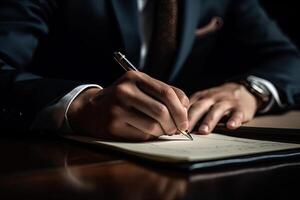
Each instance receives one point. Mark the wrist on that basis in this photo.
(260, 93)
(75, 112)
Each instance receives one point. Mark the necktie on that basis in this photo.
(163, 42)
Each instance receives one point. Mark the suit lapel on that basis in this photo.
(189, 16)
(126, 13)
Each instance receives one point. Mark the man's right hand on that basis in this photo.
(136, 107)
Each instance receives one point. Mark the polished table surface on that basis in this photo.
(57, 169)
(39, 167)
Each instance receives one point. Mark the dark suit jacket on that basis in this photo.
(48, 47)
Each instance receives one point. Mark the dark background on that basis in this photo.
(287, 15)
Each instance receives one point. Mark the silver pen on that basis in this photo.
(127, 66)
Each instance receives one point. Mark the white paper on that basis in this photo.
(203, 148)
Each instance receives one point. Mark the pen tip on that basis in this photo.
(187, 134)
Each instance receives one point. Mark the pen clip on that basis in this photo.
(122, 60)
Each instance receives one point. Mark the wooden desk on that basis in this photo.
(52, 168)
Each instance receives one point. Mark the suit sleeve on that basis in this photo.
(23, 23)
(274, 57)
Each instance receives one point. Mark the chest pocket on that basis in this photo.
(206, 36)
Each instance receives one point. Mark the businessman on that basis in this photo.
(201, 61)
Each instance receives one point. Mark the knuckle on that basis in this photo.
(167, 92)
(185, 101)
(178, 91)
(198, 96)
(229, 85)
(195, 96)
(122, 90)
(129, 75)
(160, 111)
(221, 106)
(210, 95)
(199, 104)
(211, 92)
(236, 92)
(204, 103)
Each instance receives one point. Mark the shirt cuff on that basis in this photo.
(274, 99)
(54, 117)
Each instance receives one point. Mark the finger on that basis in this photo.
(197, 96)
(235, 120)
(197, 111)
(143, 122)
(214, 93)
(213, 116)
(168, 97)
(153, 108)
(182, 97)
(118, 128)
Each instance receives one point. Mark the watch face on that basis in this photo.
(259, 88)
(260, 91)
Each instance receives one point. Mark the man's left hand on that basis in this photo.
(211, 105)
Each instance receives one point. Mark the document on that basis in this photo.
(179, 149)
(218, 149)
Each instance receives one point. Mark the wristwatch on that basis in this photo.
(259, 91)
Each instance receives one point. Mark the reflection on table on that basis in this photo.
(52, 168)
